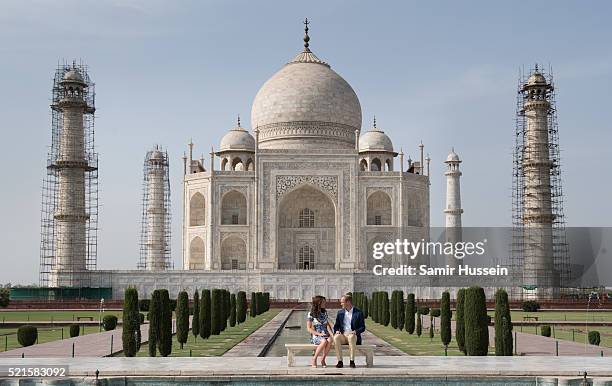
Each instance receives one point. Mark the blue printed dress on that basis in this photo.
(319, 325)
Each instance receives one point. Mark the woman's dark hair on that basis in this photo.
(316, 309)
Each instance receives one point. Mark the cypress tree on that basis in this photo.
(205, 314)
(225, 299)
(400, 310)
(182, 318)
(460, 320)
(371, 306)
(195, 322)
(232, 318)
(215, 319)
(445, 319)
(409, 315)
(419, 325)
(131, 323)
(503, 324)
(394, 316)
(260, 303)
(267, 300)
(253, 305)
(377, 312)
(365, 307)
(241, 307)
(431, 326)
(165, 325)
(385, 308)
(154, 322)
(476, 322)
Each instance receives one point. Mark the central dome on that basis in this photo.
(306, 105)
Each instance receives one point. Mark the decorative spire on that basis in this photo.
(374, 120)
(306, 37)
(536, 67)
(238, 120)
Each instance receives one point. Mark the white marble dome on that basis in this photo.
(536, 79)
(453, 157)
(237, 139)
(306, 103)
(375, 140)
(73, 75)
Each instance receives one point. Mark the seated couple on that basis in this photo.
(349, 326)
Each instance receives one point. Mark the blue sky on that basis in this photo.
(443, 71)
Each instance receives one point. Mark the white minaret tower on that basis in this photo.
(155, 238)
(71, 214)
(538, 214)
(452, 210)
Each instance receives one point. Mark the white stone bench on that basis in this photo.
(292, 348)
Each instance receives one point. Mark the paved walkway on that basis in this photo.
(274, 368)
(257, 343)
(90, 345)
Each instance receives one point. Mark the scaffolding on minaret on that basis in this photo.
(539, 249)
(155, 235)
(69, 215)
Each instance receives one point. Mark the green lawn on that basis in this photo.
(216, 345)
(412, 344)
(55, 315)
(573, 333)
(8, 336)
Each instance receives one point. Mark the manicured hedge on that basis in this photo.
(109, 322)
(476, 322)
(216, 314)
(503, 325)
(74, 330)
(253, 305)
(205, 318)
(195, 322)
(155, 314)
(410, 314)
(232, 318)
(27, 335)
(594, 338)
(460, 320)
(132, 319)
(165, 330)
(531, 306)
(545, 330)
(445, 318)
(182, 318)
(241, 307)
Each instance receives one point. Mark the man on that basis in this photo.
(348, 328)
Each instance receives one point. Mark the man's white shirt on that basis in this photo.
(348, 318)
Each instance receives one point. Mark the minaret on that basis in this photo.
(536, 168)
(452, 210)
(155, 238)
(70, 190)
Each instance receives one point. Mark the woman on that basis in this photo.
(320, 329)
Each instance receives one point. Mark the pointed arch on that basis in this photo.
(234, 208)
(363, 165)
(379, 209)
(197, 210)
(375, 165)
(233, 253)
(196, 253)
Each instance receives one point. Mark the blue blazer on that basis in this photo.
(357, 323)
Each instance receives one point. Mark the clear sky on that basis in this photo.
(167, 71)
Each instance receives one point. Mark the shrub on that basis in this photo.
(431, 326)
(545, 330)
(144, 305)
(205, 314)
(241, 307)
(503, 325)
(409, 314)
(132, 319)
(27, 335)
(260, 303)
(460, 320)
(216, 317)
(393, 305)
(365, 309)
(182, 318)
(424, 310)
(195, 322)
(232, 318)
(385, 308)
(594, 337)
(74, 330)
(154, 322)
(419, 325)
(109, 322)
(476, 326)
(5, 297)
(531, 306)
(445, 318)
(435, 312)
(371, 306)
(400, 310)
(253, 305)
(267, 301)
(165, 325)
(224, 308)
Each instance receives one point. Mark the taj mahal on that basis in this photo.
(291, 207)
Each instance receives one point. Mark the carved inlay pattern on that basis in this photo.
(327, 183)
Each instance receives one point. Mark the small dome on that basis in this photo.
(238, 139)
(375, 140)
(536, 79)
(73, 75)
(453, 157)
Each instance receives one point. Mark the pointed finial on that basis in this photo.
(306, 37)
(238, 120)
(536, 67)
(374, 121)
